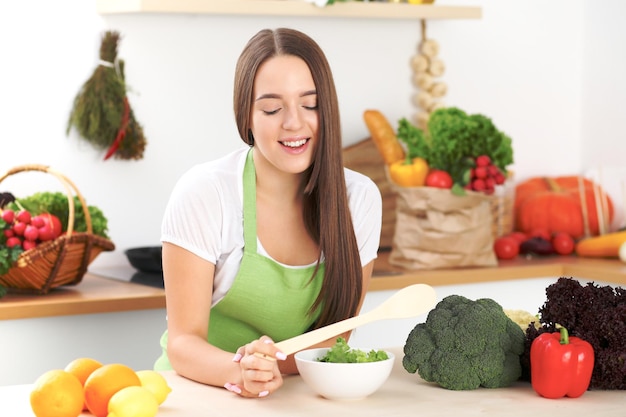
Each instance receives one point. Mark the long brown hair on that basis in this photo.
(326, 212)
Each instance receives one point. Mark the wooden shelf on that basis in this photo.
(372, 10)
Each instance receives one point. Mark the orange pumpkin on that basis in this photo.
(555, 205)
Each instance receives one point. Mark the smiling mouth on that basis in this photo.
(294, 143)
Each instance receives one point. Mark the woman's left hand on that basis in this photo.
(260, 375)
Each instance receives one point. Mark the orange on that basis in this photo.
(57, 393)
(104, 382)
(82, 368)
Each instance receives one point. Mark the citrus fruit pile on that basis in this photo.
(103, 390)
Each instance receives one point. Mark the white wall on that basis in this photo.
(547, 73)
(604, 87)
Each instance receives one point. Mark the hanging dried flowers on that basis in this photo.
(101, 113)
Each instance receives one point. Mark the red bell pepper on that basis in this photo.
(560, 365)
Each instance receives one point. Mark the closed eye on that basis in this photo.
(272, 112)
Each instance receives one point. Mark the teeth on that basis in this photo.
(295, 144)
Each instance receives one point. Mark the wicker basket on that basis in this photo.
(62, 261)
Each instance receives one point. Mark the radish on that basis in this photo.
(37, 221)
(13, 241)
(8, 216)
(28, 244)
(31, 233)
(19, 228)
(23, 216)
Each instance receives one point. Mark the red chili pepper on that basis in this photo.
(121, 132)
(560, 366)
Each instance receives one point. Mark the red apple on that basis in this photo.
(52, 227)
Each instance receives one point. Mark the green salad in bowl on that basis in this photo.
(344, 373)
(340, 352)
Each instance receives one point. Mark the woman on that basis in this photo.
(271, 240)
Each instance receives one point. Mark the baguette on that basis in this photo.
(384, 136)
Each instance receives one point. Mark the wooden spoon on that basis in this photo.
(408, 302)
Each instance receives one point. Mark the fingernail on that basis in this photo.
(263, 393)
(237, 357)
(267, 342)
(232, 388)
(281, 356)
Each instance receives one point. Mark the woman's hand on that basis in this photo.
(260, 375)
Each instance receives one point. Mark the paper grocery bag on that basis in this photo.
(437, 229)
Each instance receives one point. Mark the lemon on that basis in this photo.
(155, 383)
(133, 401)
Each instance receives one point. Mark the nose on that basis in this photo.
(292, 118)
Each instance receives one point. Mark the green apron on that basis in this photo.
(265, 298)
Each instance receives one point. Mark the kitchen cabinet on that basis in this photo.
(38, 344)
(371, 10)
(33, 346)
(116, 321)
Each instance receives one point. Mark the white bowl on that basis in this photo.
(342, 381)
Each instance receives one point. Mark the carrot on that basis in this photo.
(384, 136)
(606, 245)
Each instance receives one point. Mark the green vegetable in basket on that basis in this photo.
(454, 139)
(56, 203)
(340, 352)
(8, 255)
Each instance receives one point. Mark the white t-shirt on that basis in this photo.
(205, 216)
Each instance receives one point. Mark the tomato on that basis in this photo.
(563, 243)
(518, 236)
(439, 179)
(506, 247)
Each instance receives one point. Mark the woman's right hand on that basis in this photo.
(260, 375)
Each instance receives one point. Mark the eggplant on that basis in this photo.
(536, 246)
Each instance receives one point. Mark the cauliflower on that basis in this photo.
(466, 344)
(523, 318)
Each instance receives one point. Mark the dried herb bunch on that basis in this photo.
(101, 113)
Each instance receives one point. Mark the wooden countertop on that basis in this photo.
(612, 271)
(403, 394)
(97, 294)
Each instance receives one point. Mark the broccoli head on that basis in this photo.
(465, 344)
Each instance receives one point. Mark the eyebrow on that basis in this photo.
(276, 96)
